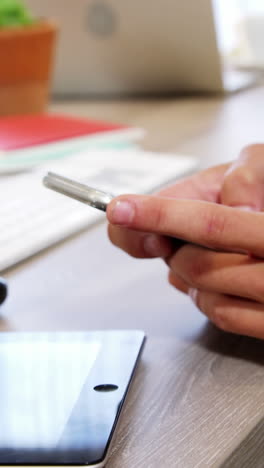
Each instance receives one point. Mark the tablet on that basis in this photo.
(62, 394)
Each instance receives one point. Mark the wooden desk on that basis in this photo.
(198, 393)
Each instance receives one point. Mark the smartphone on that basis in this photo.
(79, 191)
(62, 395)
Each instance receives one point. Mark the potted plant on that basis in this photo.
(26, 53)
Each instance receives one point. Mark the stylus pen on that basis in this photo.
(79, 191)
(3, 290)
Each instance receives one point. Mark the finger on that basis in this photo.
(204, 185)
(231, 314)
(140, 245)
(178, 283)
(207, 224)
(225, 273)
(243, 184)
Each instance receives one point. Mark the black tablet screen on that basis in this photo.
(58, 400)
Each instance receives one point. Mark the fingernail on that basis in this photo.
(154, 247)
(122, 213)
(193, 295)
(246, 208)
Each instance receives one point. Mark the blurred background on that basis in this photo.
(240, 29)
(114, 47)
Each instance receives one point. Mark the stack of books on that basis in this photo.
(30, 140)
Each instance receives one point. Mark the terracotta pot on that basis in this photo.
(26, 55)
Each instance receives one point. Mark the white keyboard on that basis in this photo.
(33, 218)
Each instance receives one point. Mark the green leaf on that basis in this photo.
(14, 13)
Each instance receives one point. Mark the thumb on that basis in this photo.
(243, 184)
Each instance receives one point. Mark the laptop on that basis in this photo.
(123, 47)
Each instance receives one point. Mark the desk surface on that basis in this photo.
(197, 400)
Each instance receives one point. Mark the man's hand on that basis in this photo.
(205, 185)
(228, 288)
(220, 261)
(243, 183)
(239, 184)
(224, 282)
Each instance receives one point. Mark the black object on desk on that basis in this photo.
(94, 369)
(3, 290)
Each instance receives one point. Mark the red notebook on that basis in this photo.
(18, 132)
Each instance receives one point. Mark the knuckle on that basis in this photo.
(214, 227)
(158, 215)
(223, 319)
(243, 176)
(195, 271)
(193, 264)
